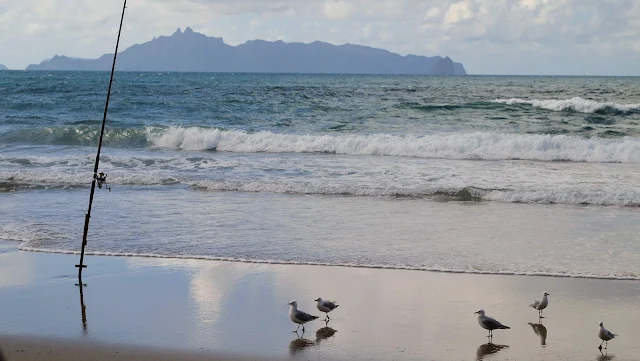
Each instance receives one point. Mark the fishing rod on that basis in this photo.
(101, 178)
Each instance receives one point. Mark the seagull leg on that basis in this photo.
(606, 343)
(296, 331)
(303, 329)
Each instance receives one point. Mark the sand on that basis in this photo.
(145, 308)
(43, 349)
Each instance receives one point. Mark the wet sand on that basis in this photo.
(160, 309)
(43, 349)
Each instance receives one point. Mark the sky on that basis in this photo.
(544, 37)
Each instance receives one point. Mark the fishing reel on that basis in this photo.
(101, 179)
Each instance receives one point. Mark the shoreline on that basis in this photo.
(214, 310)
(321, 264)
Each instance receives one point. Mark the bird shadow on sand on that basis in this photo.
(540, 330)
(301, 343)
(488, 349)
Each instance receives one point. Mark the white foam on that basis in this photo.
(575, 104)
(478, 145)
(28, 233)
(612, 197)
(81, 178)
(193, 138)
(565, 195)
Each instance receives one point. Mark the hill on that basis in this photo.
(190, 51)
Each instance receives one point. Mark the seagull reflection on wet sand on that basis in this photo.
(605, 357)
(488, 349)
(324, 333)
(541, 331)
(301, 343)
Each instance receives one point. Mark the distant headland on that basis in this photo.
(190, 51)
(2, 67)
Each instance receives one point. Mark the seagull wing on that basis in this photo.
(535, 304)
(330, 305)
(304, 317)
(492, 324)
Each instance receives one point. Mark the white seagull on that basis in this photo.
(489, 323)
(298, 316)
(605, 335)
(326, 306)
(541, 304)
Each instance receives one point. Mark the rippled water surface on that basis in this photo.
(532, 175)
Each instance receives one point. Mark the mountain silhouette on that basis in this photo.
(2, 67)
(190, 51)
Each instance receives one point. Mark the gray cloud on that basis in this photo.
(489, 36)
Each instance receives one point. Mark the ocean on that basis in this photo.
(474, 174)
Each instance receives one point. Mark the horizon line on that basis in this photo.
(378, 74)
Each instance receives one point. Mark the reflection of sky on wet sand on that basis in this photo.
(240, 308)
(407, 314)
(15, 269)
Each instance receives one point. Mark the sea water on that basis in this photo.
(480, 174)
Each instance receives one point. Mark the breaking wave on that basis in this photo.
(473, 145)
(575, 104)
(481, 146)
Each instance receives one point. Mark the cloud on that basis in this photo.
(337, 9)
(488, 36)
(458, 12)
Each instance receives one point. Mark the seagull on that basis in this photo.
(326, 306)
(541, 304)
(605, 336)
(298, 316)
(489, 323)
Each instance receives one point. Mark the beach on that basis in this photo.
(413, 201)
(149, 308)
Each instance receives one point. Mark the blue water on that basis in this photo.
(417, 172)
